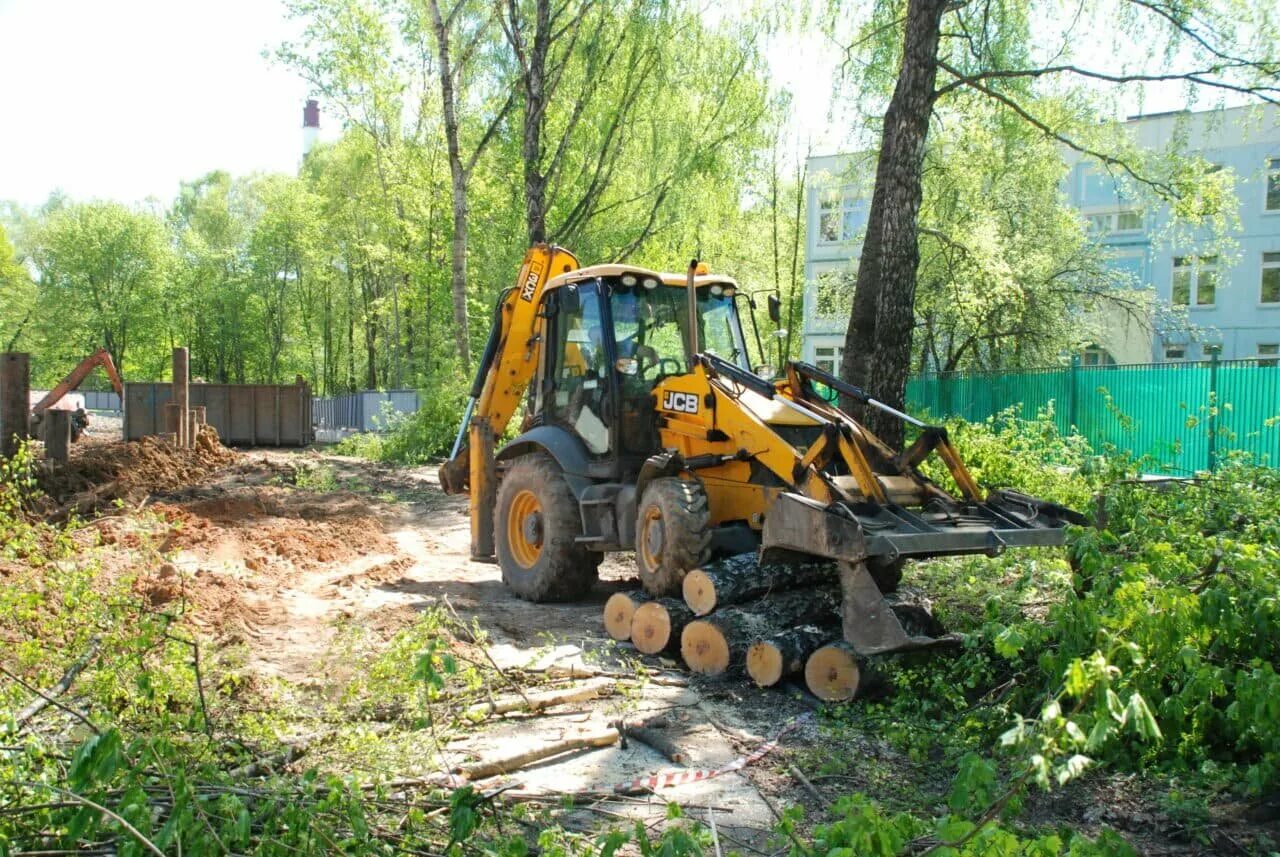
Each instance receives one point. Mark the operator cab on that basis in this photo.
(612, 333)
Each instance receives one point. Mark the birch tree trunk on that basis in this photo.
(458, 177)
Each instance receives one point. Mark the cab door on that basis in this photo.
(578, 380)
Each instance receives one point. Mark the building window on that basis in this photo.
(1273, 184)
(1116, 222)
(1096, 355)
(837, 217)
(1195, 280)
(1270, 278)
(1175, 352)
(828, 359)
(1268, 354)
(833, 294)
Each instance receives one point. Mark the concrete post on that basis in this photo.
(182, 394)
(15, 401)
(56, 428)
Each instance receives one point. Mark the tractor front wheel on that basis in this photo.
(536, 526)
(673, 533)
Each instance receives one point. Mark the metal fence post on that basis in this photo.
(1213, 351)
(1073, 376)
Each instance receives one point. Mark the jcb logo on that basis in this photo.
(531, 282)
(685, 403)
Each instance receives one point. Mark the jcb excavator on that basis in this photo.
(647, 429)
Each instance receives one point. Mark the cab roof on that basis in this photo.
(668, 279)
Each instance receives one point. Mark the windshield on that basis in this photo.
(650, 327)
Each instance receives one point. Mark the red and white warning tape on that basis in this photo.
(683, 776)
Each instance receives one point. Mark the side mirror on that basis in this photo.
(570, 300)
(775, 309)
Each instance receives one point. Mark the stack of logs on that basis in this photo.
(773, 620)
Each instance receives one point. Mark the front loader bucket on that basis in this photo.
(797, 525)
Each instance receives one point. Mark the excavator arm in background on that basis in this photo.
(508, 365)
(76, 376)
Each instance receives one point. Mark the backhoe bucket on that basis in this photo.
(797, 526)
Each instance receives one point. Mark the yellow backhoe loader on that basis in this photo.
(646, 428)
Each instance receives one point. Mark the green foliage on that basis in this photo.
(419, 437)
(1159, 647)
(103, 270)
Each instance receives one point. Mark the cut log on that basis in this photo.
(713, 644)
(740, 578)
(656, 626)
(535, 702)
(773, 658)
(507, 764)
(619, 611)
(836, 673)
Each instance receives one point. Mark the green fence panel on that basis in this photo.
(1163, 411)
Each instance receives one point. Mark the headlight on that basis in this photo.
(628, 280)
(650, 283)
(729, 291)
(717, 290)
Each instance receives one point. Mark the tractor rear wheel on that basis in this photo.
(536, 525)
(673, 533)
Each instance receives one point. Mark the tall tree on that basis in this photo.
(987, 47)
(102, 268)
(459, 34)
(17, 295)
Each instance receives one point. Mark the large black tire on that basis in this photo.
(673, 534)
(537, 552)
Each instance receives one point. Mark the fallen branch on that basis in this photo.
(650, 733)
(49, 697)
(535, 702)
(508, 764)
(270, 764)
(808, 786)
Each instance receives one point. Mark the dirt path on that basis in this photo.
(283, 568)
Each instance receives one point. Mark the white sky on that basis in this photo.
(124, 99)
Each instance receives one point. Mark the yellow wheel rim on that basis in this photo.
(524, 528)
(650, 552)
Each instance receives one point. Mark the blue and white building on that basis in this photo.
(1208, 292)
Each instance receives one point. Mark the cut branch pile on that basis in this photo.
(774, 621)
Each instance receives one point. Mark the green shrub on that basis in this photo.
(419, 437)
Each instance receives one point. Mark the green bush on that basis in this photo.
(419, 437)
(1172, 608)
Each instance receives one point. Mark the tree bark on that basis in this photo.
(877, 352)
(739, 578)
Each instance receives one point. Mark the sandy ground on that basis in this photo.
(281, 569)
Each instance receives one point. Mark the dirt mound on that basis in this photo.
(275, 528)
(102, 472)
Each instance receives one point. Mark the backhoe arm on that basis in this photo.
(509, 362)
(76, 376)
